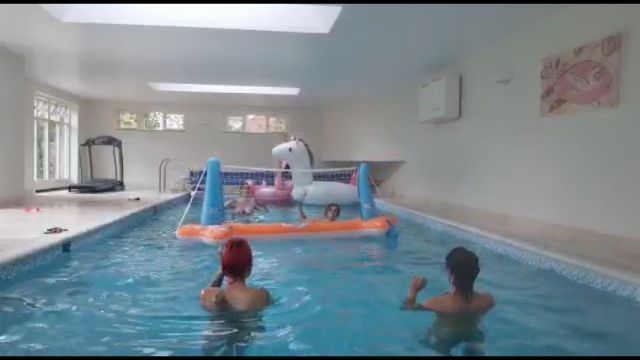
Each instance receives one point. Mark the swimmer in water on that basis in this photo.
(458, 311)
(244, 204)
(236, 262)
(236, 306)
(331, 213)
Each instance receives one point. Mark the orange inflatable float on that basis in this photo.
(280, 231)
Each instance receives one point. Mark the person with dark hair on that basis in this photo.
(458, 311)
(236, 261)
(331, 213)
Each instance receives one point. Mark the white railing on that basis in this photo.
(162, 172)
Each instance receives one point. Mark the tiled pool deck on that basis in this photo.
(84, 215)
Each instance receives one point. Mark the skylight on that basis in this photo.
(298, 18)
(226, 89)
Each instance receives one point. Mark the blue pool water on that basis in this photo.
(137, 293)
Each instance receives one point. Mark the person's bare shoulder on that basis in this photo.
(485, 301)
(212, 297)
(436, 303)
(257, 298)
(266, 296)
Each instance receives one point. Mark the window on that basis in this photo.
(152, 121)
(235, 123)
(256, 123)
(128, 120)
(52, 134)
(277, 124)
(175, 121)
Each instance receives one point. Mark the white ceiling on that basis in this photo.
(372, 48)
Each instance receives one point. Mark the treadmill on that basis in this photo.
(95, 185)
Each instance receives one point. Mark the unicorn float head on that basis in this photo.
(298, 155)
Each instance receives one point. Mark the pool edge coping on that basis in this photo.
(91, 232)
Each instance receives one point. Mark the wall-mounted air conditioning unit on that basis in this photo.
(439, 99)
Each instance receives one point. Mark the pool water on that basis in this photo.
(137, 294)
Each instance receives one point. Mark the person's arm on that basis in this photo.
(410, 304)
(212, 296)
(416, 284)
(427, 305)
(216, 282)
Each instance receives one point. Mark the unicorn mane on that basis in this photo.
(306, 146)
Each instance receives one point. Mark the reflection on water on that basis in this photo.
(445, 334)
(230, 333)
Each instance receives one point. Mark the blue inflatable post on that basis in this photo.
(365, 195)
(392, 236)
(213, 204)
(368, 205)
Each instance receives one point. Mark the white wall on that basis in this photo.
(31, 88)
(12, 84)
(580, 170)
(204, 137)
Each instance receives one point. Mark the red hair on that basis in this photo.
(236, 258)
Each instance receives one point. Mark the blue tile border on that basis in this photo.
(55, 251)
(578, 272)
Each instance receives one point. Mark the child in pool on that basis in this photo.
(331, 213)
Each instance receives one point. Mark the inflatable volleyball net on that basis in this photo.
(235, 176)
(322, 186)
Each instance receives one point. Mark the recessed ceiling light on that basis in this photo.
(300, 18)
(226, 89)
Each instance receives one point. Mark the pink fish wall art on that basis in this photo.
(582, 79)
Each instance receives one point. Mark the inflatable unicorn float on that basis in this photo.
(297, 154)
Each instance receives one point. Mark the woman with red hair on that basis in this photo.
(236, 261)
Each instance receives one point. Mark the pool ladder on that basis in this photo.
(162, 172)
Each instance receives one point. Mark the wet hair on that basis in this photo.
(463, 267)
(236, 258)
(326, 210)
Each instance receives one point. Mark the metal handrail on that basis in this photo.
(162, 172)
